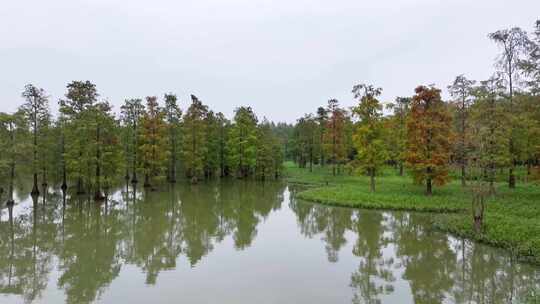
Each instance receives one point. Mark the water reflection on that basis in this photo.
(60, 248)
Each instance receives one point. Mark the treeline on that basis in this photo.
(87, 147)
(487, 126)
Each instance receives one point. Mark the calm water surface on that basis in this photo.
(241, 242)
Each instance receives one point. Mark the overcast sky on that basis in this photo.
(282, 57)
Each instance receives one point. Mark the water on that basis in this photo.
(241, 242)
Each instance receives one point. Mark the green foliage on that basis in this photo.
(194, 143)
(369, 136)
(153, 139)
(242, 144)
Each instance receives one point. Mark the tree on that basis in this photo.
(306, 141)
(488, 131)
(132, 112)
(106, 147)
(36, 110)
(242, 144)
(429, 138)
(368, 137)
(13, 133)
(194, 139)
(80, 97)
(212, 156)
(322, 118)
(514, 43)
(173, 116)
(153, 139)
(397, 139)
(461, 90)
(265, 142)
(531, 65)
(334, 135)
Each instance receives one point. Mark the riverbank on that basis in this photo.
(512, 217)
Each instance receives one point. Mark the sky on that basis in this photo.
(283, 58)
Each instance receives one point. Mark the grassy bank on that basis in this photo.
(512, 218)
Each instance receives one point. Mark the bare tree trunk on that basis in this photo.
(372, 179)
(429, 190)
(10, 200)
(35, 189)
(134, 179)
(98, 195)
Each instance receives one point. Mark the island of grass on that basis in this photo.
(511, 220)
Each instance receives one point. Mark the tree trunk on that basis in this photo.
(511, 178)
(98, 195)
(372, 180)
(429, 190)
(400, 168)
(463, 174)
(10, 200)
(134, 179)
(147, 181)
(478, 212)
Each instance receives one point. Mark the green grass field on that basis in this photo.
(512, 218)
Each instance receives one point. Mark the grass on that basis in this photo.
(511, 221)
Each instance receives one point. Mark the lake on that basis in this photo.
(241, 242)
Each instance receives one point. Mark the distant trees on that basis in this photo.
(369, 136)
(429, 138)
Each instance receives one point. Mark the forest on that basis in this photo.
(88, 148)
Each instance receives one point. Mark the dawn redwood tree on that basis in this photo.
(223, 125)
(369, 135)
(242, 144)
(153, 139)
(306, 140)
(489, 134)
(36, 110)
(173, 116)
(132, 113)
(194, 139)
(264, 167)
(13, 137)
(461, 91)
(321, 118)
(397, 138)
(104, 126)
(212, 156)
(514, 44)
(429, 138)
(334, 135)
(531, 65)
(80, 97)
